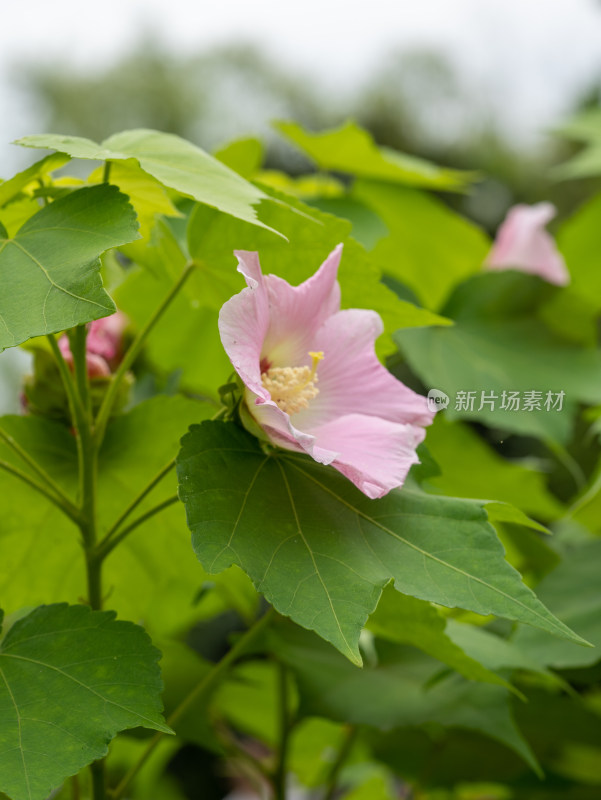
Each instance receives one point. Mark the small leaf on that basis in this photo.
(171, 160)
(70, 680)
(50, 269)
(351, 149)
(321, 551)
(406, 620)
(21, 180)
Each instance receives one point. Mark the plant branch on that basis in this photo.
(133, 352)
(285, 730)
(346, 746)
(66, 507)
(65, 503)
(107, 546)
(136, 502)
(207, 683)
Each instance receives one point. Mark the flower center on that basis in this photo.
(291, 388)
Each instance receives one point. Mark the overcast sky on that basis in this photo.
(525, 57)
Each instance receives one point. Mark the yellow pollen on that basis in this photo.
(291, 388)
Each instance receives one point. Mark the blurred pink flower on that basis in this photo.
(523, 244)
(103, 345)
(313, 381)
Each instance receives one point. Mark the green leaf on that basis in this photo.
(321, 551)
(13, 186)
(572, 590)
(493, 651)
(579, 240)
(489, 358)
(185, 321)
(153, 562)
(244, 156)
(407, 620)
(50, 268)
(584, 127)
(147, 195)
(405, 688)
(172, 161)
(249, 699)
(429, 247)
(351, 149)
(70, 680)
(311, 235)
(484, 473)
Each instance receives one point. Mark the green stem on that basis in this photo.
(67, 377)
(568, 462)
(207, 683)
(107, 546)
(98, 780)
(135, 503)
(285, 730)
(77, 416)
(77, 340)
(65, 503)
(75, 793)
(346, 746)
(106, 173)
(586, 498)
(66, 507)
(133, 352)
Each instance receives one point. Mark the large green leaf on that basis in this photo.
(484, 473)
(147, 195)
(579, 239)
(490, 358)
(351, 149)
(429, 247)
(50, 269)
(171, 160)
(311, 235)
(571, 590)
(404, 688)
(321, 551)
(70, 680)
(154, 562)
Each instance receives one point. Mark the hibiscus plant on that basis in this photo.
(276, 510)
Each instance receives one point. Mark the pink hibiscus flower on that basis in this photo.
(523, 244)
(313, 381)
(103, 345)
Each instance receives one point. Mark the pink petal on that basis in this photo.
(522, 243)
(243, 324)
(281, 429)
(375, 454)
(298, 311)
(353, 381)
(274, 321)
